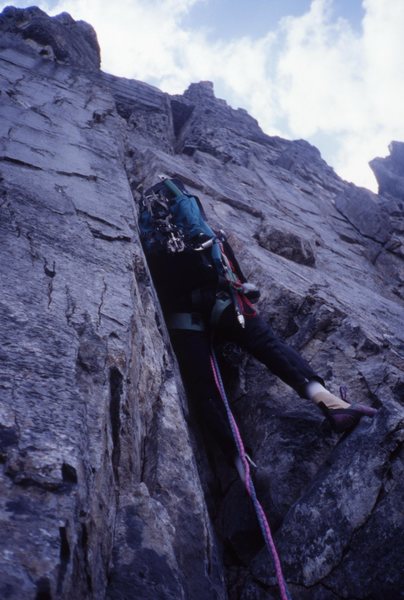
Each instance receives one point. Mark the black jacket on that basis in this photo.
(189, 281)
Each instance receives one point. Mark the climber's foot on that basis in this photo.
(345, 419)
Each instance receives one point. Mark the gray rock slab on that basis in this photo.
(85, 361)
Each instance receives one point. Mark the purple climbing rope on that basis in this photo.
(262, 519)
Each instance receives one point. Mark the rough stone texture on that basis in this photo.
(389, 171)
(101, 497)
(287, 244)
(60, 38)
(92, 423)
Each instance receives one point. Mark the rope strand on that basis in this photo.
(262, 519)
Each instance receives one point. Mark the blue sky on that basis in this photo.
(229, 18)
(328, 71)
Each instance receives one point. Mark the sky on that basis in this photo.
(328, 71)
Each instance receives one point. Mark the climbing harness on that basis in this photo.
(262, 519)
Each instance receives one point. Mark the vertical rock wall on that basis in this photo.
(101, 497)
(94, 446)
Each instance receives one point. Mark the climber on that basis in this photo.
(202, 291)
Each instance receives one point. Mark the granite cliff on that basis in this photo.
(106, 491)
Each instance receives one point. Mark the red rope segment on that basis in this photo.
(262, 519)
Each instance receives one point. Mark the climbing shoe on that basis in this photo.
(345, 419)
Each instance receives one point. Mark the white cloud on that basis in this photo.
(383, 43)
(138, 38)
(335, 81)
(317, 72)
(312, 76)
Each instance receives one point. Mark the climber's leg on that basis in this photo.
(192, 349)
(258, 338)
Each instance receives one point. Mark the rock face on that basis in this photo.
(59, 38)
(389, 171)
(106, 490)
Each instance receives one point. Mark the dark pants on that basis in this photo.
(193, 352)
